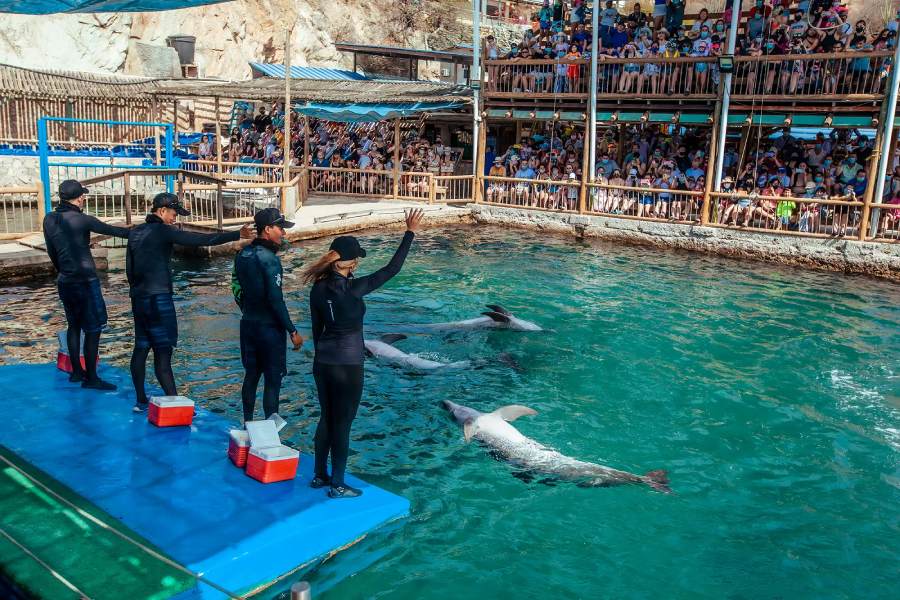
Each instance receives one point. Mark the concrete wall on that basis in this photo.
(833, 254)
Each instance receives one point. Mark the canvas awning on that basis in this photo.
(368, 113)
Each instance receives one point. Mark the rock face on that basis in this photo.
(229, 35)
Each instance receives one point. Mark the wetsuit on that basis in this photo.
(337, 310)
(147, 265)
(265, 324)
(67, 233)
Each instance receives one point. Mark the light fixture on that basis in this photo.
(509, 114)
(584, 116)
(709, 119)
(676, 117)
(748, 120)
(874, 121)
(532, 114)
(615, 117)
(483, 114)
(788, 120)
(556, 116)
(829, 119)
(645, 117)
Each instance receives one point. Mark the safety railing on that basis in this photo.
(351, 182)
(537, 78)
(236, 171)
(885, 222)
(816, 217)
(644, 202)
(21, 211)
(529, 193)
(452, 188)
(838, 76)
(415, 186)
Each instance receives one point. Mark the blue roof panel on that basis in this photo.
(297, 72)
(46, 7)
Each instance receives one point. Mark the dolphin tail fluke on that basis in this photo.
(392, 338)
(496, 316)
(499, 309)
(658, 480)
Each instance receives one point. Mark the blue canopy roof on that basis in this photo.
(46, 7)
(297, 72)
(357, 113)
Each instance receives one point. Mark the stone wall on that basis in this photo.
(833, 254)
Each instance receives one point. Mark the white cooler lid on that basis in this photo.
(171, 401)
(263, 434)
(240, 437)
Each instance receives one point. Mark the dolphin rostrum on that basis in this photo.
(494, 430)
(496, 318)
(385, 350)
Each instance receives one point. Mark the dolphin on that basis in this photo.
(384, 349)
(496, 318)
(493, 429)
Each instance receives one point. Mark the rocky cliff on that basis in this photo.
(231, 34)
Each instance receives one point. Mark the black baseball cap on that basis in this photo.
(167, 200)
(348, 247)
(271, 216)
(71, 189)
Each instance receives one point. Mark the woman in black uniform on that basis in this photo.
(337, 310)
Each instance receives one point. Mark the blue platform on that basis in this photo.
(175, 486)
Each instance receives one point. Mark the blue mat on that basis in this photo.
(175, 486)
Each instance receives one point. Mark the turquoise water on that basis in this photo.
(771, 395)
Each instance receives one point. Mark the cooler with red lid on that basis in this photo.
(63, 362)
(268, 460)
(238, 447)
(170, 411)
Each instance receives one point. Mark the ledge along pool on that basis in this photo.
(770, 395)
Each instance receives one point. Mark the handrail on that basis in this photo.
(824, 56)
(837, 200)
(651, 190)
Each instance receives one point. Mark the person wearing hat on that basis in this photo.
(336, 310)
(256, 282)
(67, 233)
(149, 273)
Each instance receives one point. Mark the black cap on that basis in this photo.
(347, 247)
(271, 216)
(167, 200)
(71, 189)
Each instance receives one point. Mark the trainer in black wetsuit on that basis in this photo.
(147, 264)
(67, 233)
(337, 310)
(265, 325)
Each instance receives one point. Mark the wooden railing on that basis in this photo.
(236, 171)
(529, 193)
(379, 185)
(885, 220)
(21, 211)
(813, 77)
(813, 217)
(644, 202)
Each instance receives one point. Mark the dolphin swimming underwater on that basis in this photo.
(496, 318)
(494, 430)
(384, 349)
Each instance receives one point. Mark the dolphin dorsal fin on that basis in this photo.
(499, 309)
(513, 412)
(469, 429)
(498, 317)
(392, 338)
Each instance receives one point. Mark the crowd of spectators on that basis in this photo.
(559, 32)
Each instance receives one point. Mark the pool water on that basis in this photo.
(771, 395)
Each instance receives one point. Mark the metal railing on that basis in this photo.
(21, 211)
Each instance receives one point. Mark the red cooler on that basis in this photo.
(63, 362)
(238, 447)
(268, 461)
(170, 411)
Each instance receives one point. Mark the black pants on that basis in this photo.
(263, 354)
(340, 389)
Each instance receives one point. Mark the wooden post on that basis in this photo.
(219, 208)
(711, 165)
(396, 158)
(871, 176)
(126, 183)
(432, 188)
(620, 144)
(156, 119)
(585, 172)
(481, 150)
(218, 140)
(286, 169)
(42, 210)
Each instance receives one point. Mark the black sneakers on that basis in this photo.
(344, 491)
(77, 377)
(98, 384)
(140, 408)
(319, 482)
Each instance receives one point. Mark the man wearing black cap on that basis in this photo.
(147, 265)
(67, 233)
(265, 324)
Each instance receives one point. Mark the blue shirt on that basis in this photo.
(618, 39)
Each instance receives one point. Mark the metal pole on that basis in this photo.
(591, 137)
(886, 138)
(286, 168)
(301, 591)
(44, 161)
(726, 96)
(475, 81)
